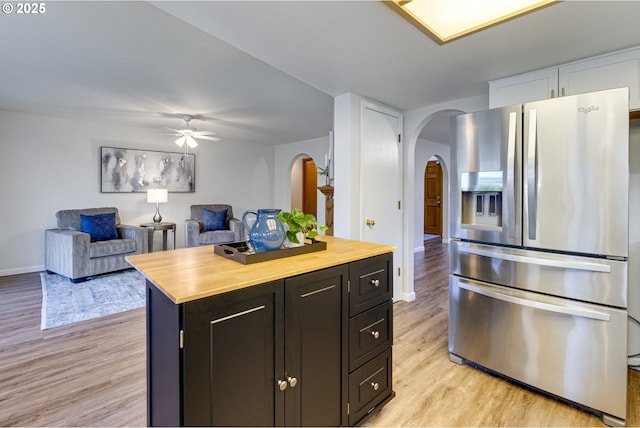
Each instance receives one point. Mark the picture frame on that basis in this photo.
(136, 171)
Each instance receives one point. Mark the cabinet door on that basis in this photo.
(520, 89)
(606, 72)
(316, 348)
(230, 357)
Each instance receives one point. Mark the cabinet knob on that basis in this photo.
(292, 381)
(375, 386)
(375, 282)
(282, 385)
(375, 334)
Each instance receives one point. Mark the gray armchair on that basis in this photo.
(233, 230)
(70, 252)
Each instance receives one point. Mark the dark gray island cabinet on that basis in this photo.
(309, 345)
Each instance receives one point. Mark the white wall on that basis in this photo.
(424, 150)
(49, 164)
(347, 122)
(286, 155)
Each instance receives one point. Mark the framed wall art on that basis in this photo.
(131, 170)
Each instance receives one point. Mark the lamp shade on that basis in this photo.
(157, 196)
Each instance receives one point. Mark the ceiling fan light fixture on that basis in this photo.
(187, 135)
(191, 142)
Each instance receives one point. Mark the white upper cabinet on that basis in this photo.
(614, 70)
(533, 86)
(605, 72)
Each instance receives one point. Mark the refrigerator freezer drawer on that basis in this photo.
(573, 350)
(588, 279)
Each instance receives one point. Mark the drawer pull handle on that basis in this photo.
(375, 334)
(282, 385)
(375, 386)
(374, 282)
(292, 381)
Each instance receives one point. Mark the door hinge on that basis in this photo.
(181, 339)
(348, 409)
(348, 286)
(398, 271)
(399, 205)
(399, 138)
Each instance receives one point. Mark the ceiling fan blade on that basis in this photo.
(175, 130)
(206, 137)
(180, 141)
(204, 133)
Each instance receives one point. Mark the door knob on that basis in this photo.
(292, 381)
(370, 222)
(282, 385)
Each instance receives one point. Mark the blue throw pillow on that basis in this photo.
(214, 219)
(101, 227)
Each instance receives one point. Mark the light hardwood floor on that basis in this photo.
(93, 373)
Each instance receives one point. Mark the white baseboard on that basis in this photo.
(409, 297)
(418, 249)
(24, 269)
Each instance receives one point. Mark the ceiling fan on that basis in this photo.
(188, 135)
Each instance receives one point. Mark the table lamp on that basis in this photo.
(157, 196)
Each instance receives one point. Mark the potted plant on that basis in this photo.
(301, 226)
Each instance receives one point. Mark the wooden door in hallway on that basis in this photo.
(433, 198)
(309, 187)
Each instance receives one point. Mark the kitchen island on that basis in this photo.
(302, 340)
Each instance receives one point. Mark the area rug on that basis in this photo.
(64, 302)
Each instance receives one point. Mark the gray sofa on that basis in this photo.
(195, 227)
(70, 252)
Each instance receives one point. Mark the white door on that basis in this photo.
(381, 183)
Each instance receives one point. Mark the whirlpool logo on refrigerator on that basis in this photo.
(587, 110)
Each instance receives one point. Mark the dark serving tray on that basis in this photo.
(241, 253)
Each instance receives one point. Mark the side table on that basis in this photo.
(164, 227)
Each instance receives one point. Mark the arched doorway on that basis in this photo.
(431, 181)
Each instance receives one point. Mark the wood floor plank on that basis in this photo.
(93, 373)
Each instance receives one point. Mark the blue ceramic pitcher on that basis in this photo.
(265, 229)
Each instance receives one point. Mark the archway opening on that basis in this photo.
(304, 184)
(432, 203)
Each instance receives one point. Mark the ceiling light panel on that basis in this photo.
(446, 20)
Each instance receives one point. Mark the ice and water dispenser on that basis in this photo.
(481, 200)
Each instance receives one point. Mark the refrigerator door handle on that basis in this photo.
(580, 312)
(564, 264)
(511, 156)
(532, 174)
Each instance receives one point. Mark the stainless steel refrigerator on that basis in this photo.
(539, 250)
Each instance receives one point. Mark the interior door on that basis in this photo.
(309, 187)
(433, 198)
(381, 217)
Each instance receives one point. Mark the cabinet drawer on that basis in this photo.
(369, 386)
(371, 283)
(369, 334)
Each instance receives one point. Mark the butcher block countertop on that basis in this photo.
(194, 273)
